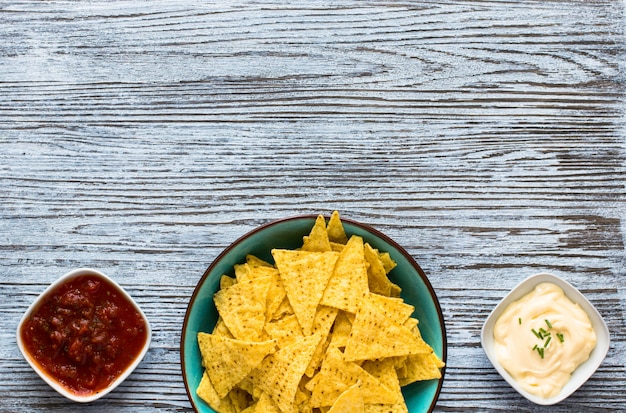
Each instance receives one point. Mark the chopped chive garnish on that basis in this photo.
(548, 323)
(537, 334)
(543, 331)
(539, 350)
(560, 336)
(519, 320)
(535, 348)
(547, 341)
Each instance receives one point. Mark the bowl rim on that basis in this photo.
(585, 370)
(365, 227)
(56, 385)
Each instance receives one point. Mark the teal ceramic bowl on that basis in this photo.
(201, 314)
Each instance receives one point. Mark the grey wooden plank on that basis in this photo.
(487, 137)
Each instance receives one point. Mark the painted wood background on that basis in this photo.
(141, 138)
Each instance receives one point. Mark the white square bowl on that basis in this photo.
(584, 371)
(56, 385)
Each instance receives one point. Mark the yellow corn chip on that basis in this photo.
(242, 306)
(385, 371)
(302, 398)
(284, 309)
(386, 408)
(317, 240)
(276, 292)
(207, 393)
(411, 323)
(334, 246)
(376, 273)
(285, 330)
(261, 271)
(375, 336)
(335, 230)
(226, 281)
(240, 399)
(250, 409)
(394, 308)
(341, 329)
(305, 276)
(421, 367)
(350, 401)
(349, 280)
(336, 375)
(220, 329)
(266, 405)
(395, 290)
(254, 261)
(387, 261)
(228, 361)
(241, 272)
(324, 319)
(280, 373)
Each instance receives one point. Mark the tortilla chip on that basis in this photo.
(394, 308)
(385, 371)
(376, 273)
(375, 336)
(341, 329)
(335, 230)
(241, 272)
(228, 361)
(350, 401)
(388, 262)
(266, 405)
(254, 261)
(285, 330)
(207, 393)
(240, 399)
(386, 408)
(220, 329)
(305, 276)
(324, 319)
(349, 280)
(261, 271)
(395, 290)
(337, 247)
(242, 306)
(226, 281)
(284, 309)
(337, 375)
(302, 398)
(317, 240)
(421, 367)
(280, 373)
(276, 292)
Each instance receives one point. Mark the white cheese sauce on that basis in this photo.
(542, 338)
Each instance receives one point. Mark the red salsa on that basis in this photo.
(84, 334)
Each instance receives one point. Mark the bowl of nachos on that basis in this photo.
(317, 314)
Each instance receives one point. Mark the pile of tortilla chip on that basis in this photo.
(321, 330)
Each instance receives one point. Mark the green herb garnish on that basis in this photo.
(539, 350)
(545, 336)
(519, 320)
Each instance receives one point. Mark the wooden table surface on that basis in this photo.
(142, 138)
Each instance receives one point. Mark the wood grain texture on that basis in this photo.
(486, 137)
